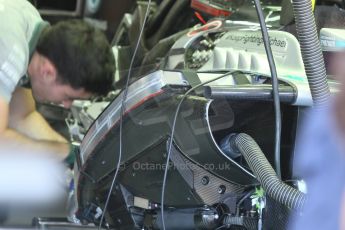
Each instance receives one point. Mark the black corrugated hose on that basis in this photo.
(262, 169)
(311, 51)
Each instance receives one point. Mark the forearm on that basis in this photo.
(23, 126)
(36, 127)
(12, 140)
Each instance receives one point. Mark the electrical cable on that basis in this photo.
(173, 131)
(275, 86)
(242, 200)
(123, 105)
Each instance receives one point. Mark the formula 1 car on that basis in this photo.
(212, 85)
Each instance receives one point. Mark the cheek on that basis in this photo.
(38, 92)
(53, 94)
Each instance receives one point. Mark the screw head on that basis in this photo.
(221, 189)
(205, 180)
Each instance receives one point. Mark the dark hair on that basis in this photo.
(81, 54)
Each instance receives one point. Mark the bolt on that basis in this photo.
(205, 180)
(221, 189)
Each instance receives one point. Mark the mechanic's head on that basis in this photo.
(73, 60)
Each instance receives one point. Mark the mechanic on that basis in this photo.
(320, 151)
(67, 61)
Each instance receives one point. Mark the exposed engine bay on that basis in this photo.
(221, 170)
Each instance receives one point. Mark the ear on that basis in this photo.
(48, 70)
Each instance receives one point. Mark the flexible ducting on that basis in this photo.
(311, 51)
(262, 169)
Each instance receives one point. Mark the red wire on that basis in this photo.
(198, 15)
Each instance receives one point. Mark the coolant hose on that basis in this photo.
(262, 169)
(311, 51)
